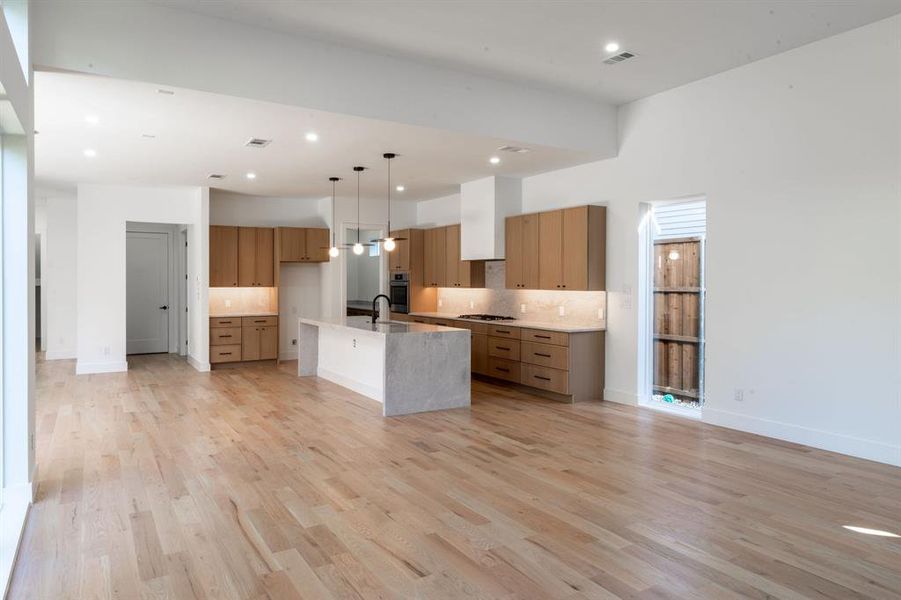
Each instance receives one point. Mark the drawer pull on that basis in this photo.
(540, 354)
(544, 337)
(260, 321)
(226, 322)
(542, 378)
(225, 336)
(225, 353)
(502, 348)
(502, 330)
(502, 369)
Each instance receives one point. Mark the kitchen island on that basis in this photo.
(408, 367)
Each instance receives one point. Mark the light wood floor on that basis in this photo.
(252, 483)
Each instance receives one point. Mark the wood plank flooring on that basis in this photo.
(253, 483)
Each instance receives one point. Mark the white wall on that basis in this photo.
(102, 213)
(798, 156)
(438, 212)
(58, 275)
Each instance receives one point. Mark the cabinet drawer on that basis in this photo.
(443, 322)
(225, 321)
(503, 348)
(504, 331)
(503, 368)
(545, 355)
(477, 328)
(221, 336)
(259, 321)
(557, 338)
(545, 378)
(223, 354)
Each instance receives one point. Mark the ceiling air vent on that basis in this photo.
(619, 58)
(215, 176)
(514, 149)
(257, 143)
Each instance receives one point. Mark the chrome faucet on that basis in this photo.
(375, 310)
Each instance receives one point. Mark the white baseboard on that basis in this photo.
(825, 440)
(290, 355)
(621, 397)
(13, 513)
(86, 368)
(59, 355)
(201, 366)
(360, 388)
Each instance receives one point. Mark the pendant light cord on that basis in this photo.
(388, 233)
(334, 224)
(358, 206)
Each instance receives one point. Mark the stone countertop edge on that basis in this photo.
(517, 323)
(401, 328)
(242, 314)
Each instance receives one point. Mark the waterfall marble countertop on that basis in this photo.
(364, 325)
(525, 323)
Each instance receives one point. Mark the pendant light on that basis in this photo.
(333, 251)
(358, 247)
(388, 242)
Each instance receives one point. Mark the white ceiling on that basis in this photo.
(198, 133)
(560, 44)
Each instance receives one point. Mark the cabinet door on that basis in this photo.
(531, 252)
(292, 244)
(440, 250)
(479, 354)
(247, 256)
(452, 256)
(428, 262)
(223, 256)
(513, 253)
(250, 343)
(317, 245)
(550, 250)
(575, 248)
(268, 343)
(265, 256)
(399, 258)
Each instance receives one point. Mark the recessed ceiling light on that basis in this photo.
(251, 176)
(494, 160)
(90, 152)
(91, 119)
(611, 47)
(400, 188)
(312, 136)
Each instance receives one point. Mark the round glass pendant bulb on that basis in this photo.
(389, 244)
(333, 251)
(358, 248)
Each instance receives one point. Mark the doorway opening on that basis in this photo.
(156, 288)
(364, 271)
(673, 297)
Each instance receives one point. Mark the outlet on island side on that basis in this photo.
(293, 342)
(739, 395)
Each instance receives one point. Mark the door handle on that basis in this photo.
(164, 307)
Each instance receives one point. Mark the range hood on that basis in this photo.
(484, 206)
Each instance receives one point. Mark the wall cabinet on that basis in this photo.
(572, 248)
(522, 252)
(303, 244)
(399, 258)
(443, 266)
(256, 257)
(223, 256)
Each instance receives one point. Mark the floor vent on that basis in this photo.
(619, 58)
(257, 143)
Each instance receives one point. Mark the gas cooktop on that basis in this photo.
(481, 317)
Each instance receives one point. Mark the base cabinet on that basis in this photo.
(241, 339)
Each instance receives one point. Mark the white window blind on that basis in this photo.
(680, 219)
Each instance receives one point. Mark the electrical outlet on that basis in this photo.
(561, 310)
(472, 304)
(601, 314)
(228, 304)
(739, 395)
(522, 308)
(293, 342)
(440, 302)
(106, 350)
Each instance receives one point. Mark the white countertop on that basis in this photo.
(381, 328)
(563, 327)
(243, 314)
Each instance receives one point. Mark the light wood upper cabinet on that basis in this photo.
(522, 252)
(256, 256)
(399, 258)
(223, 256)
(303, 244)
(435, 247)
(452, 255)
(557, 250)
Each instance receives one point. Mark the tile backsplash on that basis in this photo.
(236, 301)
(579, 308)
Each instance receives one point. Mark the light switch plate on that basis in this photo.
(522, 308)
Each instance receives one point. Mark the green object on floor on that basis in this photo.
(669, 398)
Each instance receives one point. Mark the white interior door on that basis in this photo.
(147, 295)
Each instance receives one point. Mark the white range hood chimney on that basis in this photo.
(484, 205)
